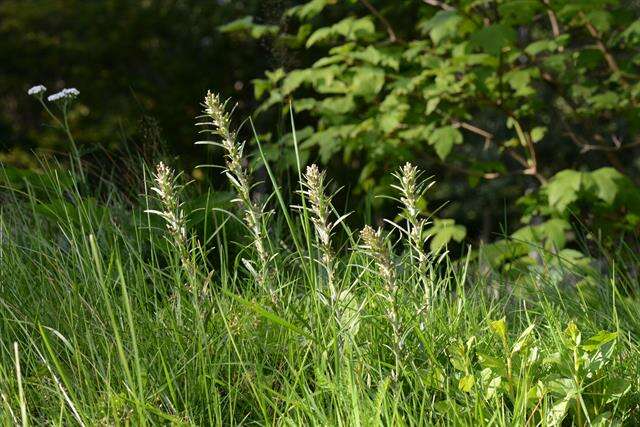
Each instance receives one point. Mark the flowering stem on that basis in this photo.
(64, 125)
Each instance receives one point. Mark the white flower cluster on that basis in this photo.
(36, 90)
(64, 94)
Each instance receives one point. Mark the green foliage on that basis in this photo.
(103, 323)
(128, 308)
(543, 91)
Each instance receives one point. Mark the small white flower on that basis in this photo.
(72, 92)
(56, 96)
(63, 94)
(36, 90)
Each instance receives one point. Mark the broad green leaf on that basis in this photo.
(490, 383)
(563, 188)
(494, 38)
(443, 139)
(558, 412)
(572, 333)
(246, 24)
(607, 181)
(442, 25)
(495, 364)
(349, 28)
(310, 9)
(443, 231)
(523, 339)
(293, 80)
(466, 383)
(598, 340)
(520, 11)
(499, 327)
(367, 81)
(538, 133)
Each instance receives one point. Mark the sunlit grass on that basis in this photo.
(114, 315)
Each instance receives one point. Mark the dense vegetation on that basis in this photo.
(432, 217)
(502, 99)
(276, 312)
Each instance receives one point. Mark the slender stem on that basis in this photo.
(64, 125)
(74, 147)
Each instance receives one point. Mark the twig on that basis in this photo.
(608, 56)
(488, 136)
(553, 19)
(392, 34)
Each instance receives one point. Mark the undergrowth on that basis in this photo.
(274, 311)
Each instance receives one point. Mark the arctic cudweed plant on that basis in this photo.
(255, 217)
(168, 190)
(314, 189)
(412, 190)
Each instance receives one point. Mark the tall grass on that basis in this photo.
(118, 315)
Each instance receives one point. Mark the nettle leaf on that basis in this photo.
(392, 120)
(293, 80)
(632, 33)
(393, 110)
(367, 81)
(494, 38)
(350, 28)
(246, 24)
(309, 9)
(520, 11)
(538, 133)
(600, 19)
(605, 101)
(336, 105)
(375, 56)
(443, 231)
(441, 26)
(552, 233)
(608, 181)
(328, 80)
(520, 81)
(562, 188)
(540, 46)
(443, 139)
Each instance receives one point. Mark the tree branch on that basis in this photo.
(608, 56)
(393, 38)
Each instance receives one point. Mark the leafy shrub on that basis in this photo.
(512, 95)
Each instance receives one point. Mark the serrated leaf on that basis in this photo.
(494, 38)
(367, 81)
(607, 181)
(246, 24)
(443, 139)
(563, 188)
(443, 231)
(443, 25)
